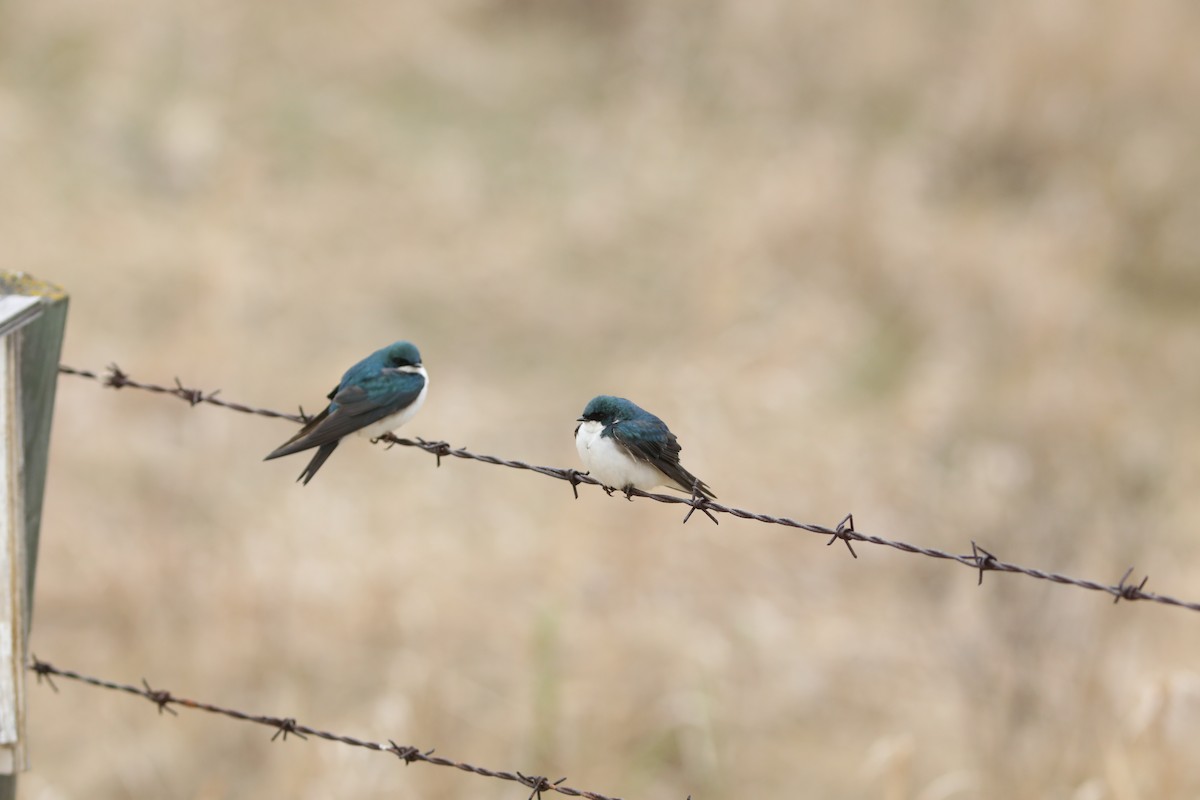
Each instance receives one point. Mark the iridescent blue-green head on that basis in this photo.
(607, 409)
(397, 357)
(400, 354)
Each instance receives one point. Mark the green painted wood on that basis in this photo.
(39, 338)
(41, 346)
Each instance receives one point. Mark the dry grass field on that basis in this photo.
(934, 263)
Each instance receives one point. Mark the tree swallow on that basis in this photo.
(624, 446)
(376, 395)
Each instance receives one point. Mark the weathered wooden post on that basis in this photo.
(32, 317)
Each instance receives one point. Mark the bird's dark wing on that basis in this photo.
(287, 448)
(651, 441)
(355, 407)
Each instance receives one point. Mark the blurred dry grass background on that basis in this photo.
(934, 263)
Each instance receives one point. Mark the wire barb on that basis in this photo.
(699, 503)
(287, 726)
(574, 476)
(537, 783)
(979, 559)
(192, 396)
(406, 753)
(984, 560)
(1129, 591)
(116, 378)
(162, 699)
(439, 449)
(843, 531)
(43, 671)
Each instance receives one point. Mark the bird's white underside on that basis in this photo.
(608, 462)
(395, 421)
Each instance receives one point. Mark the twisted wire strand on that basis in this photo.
(285, 726)
(978, 559)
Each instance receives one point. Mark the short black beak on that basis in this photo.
(582, 419)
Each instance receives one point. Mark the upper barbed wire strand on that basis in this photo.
(978, 559)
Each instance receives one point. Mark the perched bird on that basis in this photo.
(624, 446)
(376, 395)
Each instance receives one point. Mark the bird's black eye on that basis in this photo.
(593, 417)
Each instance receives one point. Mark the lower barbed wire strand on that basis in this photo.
(285, 725)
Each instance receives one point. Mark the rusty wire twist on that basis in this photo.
(978, 559)
(164, 700)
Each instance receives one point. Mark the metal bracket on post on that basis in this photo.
(32, 318)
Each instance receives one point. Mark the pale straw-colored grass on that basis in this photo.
(936, 264)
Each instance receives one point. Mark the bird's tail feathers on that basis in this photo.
(687, 482)
(300, 441)
(702, 488)
(292, 445)
(323, 453)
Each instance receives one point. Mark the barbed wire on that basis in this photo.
(978, 559)
(116, 379)
(284, 726)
